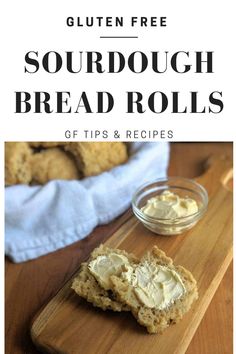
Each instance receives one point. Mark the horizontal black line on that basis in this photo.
(118, 36)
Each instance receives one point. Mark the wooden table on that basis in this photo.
(29, 285)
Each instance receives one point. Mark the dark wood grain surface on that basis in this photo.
(30, 285)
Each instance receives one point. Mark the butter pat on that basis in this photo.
(155, 286)
(169, 205)
(104, 266)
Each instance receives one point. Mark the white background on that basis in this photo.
(191, 26)
(199, 26)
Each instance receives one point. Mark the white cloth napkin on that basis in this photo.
(42, 219)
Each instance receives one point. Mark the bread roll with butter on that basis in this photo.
(90, 288)
(157, 292)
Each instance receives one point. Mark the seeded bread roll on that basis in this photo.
(52, 164)
(17, 163)
(87, 286)
(153, 319)
(94, 158)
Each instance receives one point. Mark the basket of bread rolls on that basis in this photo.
(40, 162)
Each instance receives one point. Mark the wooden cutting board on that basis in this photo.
(69, 325)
